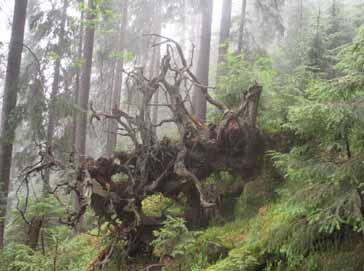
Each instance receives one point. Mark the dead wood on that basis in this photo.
(167, 167)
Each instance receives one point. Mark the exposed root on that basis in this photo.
(155, 166)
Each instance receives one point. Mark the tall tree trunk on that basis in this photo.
(194, 36)
(202, 73)
(156, 59)
(157, 56)
(242, 27)
(225, 25)
(78, 78)
(83, 97)
(153, 72)
(55, 89)
(116, 94)
(185, 30)
(8, 114)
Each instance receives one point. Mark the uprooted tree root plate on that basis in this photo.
(171, 168)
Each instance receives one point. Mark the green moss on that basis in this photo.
(154, 205)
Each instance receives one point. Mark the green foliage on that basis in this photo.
(77, 253)
(253, 237)
(20, 257)
(281, 238)
(329, 160)
(352, 58)
(176, 241)
(313, 90)
(238, 74)
(70, 254)
(53, 56)
(173, 239)
(47, 208)
(235, 80)
(120, 177)
(158, 205)
(255, 195)
(57, 249)
(321, 205)
(319, 212)
(125, 56)
(322, 201)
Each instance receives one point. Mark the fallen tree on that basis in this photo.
(167, 167)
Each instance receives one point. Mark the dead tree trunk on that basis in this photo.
(8, 114)
(198, 99)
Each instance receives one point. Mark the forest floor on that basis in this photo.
(275, 237)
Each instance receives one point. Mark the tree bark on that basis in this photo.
(156, 61)
(8, 114)
(242, 27)
(225, 25)
(78, 78)
(157, 55)
(85, 80)
(116, 94)
(83, 97)
(34, 231)
(52, 119)
(198, 99)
